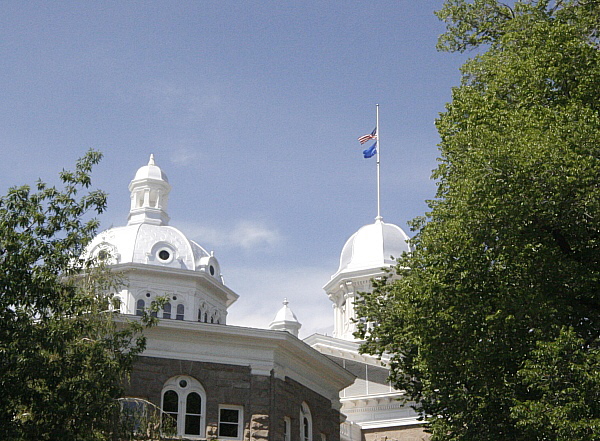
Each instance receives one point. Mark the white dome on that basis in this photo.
(147, 238)
(150, 244)
(372, 247)
(150, 171)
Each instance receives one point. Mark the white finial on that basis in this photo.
(151, 162)
(286, 320)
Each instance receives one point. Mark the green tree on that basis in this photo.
(63, 358)
(504, 278)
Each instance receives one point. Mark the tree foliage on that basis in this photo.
(62, 357)
(502, 288)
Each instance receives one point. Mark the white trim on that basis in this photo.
(287, 428)
(306, 423)
(391, 423)
(264, 351)
(165, 272)
(346, 349)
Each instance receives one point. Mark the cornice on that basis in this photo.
(264, 351)
(346, 349)
(167, 272)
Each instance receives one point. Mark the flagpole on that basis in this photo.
(378, 156)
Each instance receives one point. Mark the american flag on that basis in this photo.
(365, 138)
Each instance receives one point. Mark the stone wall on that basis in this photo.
(405, 433)
(289, 396)
(266, 400)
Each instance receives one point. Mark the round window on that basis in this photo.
(212, 270)
(182, 383)
(164, 254)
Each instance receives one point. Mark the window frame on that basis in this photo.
(305, 415)
(287, 428)
(180, 312)
(183, 392)
(140, 306)
(240, 421)
(167, 308)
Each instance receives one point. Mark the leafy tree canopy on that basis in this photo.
(494, 321)
(62, 357)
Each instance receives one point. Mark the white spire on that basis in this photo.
(286, 320)
(149, 196)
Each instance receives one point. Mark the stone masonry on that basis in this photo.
(266, 400)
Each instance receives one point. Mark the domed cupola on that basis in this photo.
(373, 246)
(159, 259)
(149, 196)
(365, 254)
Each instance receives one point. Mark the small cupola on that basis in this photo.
(286, 320)
(149, 196)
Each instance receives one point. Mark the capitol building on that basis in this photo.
(238, 383)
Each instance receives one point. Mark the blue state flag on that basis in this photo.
(371, 151)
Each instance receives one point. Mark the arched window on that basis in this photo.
(180, 312)
(139, 199)
(184, 400)
(167, 311)
(139, 307)
(305, 423)
(153, 199)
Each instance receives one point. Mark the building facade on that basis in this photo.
(212, 380)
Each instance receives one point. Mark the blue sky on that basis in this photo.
(252, 108)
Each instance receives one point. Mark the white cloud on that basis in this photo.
(245, 234)
(262, 287)
(262, 291)
(184, 157)
(250, 235)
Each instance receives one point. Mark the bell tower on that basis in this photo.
(149, 196)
